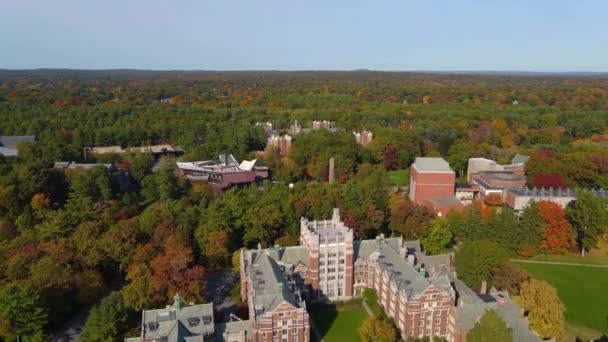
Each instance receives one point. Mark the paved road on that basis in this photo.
(558, 263)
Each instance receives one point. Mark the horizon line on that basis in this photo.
(431, 71)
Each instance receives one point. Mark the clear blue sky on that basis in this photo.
(534, 35)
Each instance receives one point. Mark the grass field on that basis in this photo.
(399, 177)
(583, 290)
(338, 323)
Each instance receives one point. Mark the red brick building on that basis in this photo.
(329, 264)
(431, 178)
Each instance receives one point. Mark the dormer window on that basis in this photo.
(152, 326)
(207, 320)
(193, 321)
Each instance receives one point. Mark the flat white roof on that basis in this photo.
(431, 164)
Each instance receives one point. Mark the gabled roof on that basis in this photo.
(520, 159)
(270, 285)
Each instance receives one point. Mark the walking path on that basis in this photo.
(366, 307)
(558, 263)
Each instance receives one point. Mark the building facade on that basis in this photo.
(283, 143)
(431, 178)
(330, 265)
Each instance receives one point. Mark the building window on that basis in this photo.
(284, 332)
(294, 321)
(294, 330)
(284, 322)
(294, 339)
(428, 331)
(274, 324)
(275, 333)
(280, 314)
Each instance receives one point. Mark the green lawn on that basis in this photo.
(583, 290)
(399, 177)
(338, 323)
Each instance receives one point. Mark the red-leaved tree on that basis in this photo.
(557, 235)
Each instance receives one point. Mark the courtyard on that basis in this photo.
(338, 322)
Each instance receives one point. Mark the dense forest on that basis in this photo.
(71, 240)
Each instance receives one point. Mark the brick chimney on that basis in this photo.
(484, 287)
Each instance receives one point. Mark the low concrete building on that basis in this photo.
(519, 198)
(479, 165)
(9, 143)
(496, 182)
(223, 173)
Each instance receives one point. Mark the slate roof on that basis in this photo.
(271, 285)
(405, 276)
(176, 324)
(431, 164)
(468, 314)
(520, 159)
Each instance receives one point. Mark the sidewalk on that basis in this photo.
(558, 263)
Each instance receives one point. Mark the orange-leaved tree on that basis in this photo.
(557, 235)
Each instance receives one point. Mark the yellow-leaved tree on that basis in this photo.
(543, 308)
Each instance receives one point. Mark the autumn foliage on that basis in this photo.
(557, 235)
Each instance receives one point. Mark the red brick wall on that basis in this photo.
(432, 185)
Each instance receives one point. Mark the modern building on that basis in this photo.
(363, 138)
(494, 183)
(72, 165)
(431, 178)
(519, 198)
(283, 143)
(479, 165)
(156, 150)
(224, 173)
(8, 143)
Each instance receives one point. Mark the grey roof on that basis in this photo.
(439, 264)
(7, 151)
(451, 201)
(12, 141)
(520, 159)
(232, 327)
(468, 314)
(271, 285)
(553, 192)
(8, 143)
(405, 276)
(176, 324)
(431, 164)
(413, 246)
(82, 166)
